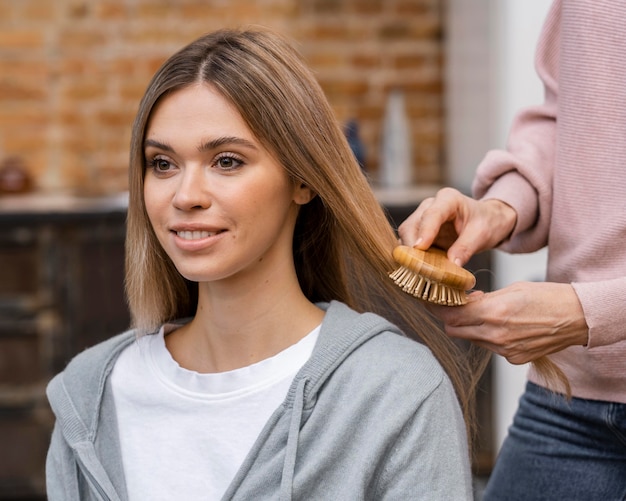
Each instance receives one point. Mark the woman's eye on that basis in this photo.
(228, 162)
(160, 165)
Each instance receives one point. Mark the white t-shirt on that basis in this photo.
(183, 434)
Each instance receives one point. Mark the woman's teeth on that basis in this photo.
(194, 235)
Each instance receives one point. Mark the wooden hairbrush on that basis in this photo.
(431, 276)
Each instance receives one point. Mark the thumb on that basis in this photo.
(460, 252)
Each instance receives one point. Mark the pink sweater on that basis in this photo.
(564, 172)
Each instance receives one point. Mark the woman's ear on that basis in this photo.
(303, 194)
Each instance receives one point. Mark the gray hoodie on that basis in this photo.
(370, 416)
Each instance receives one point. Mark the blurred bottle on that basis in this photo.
(351, 131)
(396, 166)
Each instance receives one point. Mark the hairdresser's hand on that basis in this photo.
(521, 322)
(453, 221)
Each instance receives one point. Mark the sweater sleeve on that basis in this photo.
(522, 175)
(61, 469)
(430, 452)
(603, 307)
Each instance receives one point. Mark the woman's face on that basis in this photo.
(220, 204)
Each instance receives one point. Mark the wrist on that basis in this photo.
(504, 219)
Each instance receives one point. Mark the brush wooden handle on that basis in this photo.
(434, 265)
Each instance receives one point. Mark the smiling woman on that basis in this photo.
(257, 261)
(220, 204)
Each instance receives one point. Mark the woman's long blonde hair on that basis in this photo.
(343, 240)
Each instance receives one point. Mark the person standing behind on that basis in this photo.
(560, 183)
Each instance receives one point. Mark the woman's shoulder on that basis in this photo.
(376, 350)
(100, 353)
(76, 393)
(93, 363)
(392, 355)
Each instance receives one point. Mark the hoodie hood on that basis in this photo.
(76, 394)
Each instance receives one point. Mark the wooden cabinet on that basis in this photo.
(61, 290)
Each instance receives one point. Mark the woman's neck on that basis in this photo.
(236, 328)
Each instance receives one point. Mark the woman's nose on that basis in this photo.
(192, 191)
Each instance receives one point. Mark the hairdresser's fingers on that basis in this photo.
(521, 322)
(410, 230)
(433, 221)
(461, 226)
(480, 225)
(516, 352)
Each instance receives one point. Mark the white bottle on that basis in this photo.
(396, 166)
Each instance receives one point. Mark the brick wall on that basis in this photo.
(72, 73)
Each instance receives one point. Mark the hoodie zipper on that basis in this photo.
(94, 484)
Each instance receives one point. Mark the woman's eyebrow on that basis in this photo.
(205, 145)
(221, 141)
(157, 144)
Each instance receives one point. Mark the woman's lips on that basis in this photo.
(193, 240)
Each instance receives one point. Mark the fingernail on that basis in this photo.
(457, 261)
(418, 242)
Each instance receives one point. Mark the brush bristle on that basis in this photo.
(429, 275)
(423, 288)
